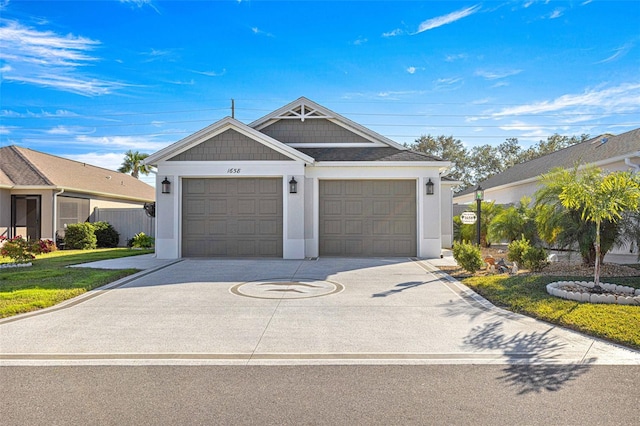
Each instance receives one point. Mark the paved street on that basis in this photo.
(321, 395)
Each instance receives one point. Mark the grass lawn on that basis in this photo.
(527, 294)
(49, 281)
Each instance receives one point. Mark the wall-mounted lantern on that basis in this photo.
(293, 186)
(166, 186)
(430, 186)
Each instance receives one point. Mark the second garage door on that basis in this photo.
(235, 217)
(361, 218)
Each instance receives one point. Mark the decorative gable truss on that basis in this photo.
(318, 127)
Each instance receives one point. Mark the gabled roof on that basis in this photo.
(593, 151)
(366, 154)
(22, 167)
(305, 109)
(217, 128)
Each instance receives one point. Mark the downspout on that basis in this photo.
(55, 213)
(628, 162)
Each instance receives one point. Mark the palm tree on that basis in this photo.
(133, 163)
(601, 197)
(513, 222)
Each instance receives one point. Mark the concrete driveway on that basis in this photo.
(325, 311)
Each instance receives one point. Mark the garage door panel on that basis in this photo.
(381, 208)
(368, 218)
(382, 227)
(246, 227)
(269, 207)
(247, 207)
(269, 227)
(353, 207)
(234, 217)
(217, 207)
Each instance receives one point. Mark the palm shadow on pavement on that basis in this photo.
(533, 364)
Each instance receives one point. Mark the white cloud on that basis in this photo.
(448, 83)
(141, 3)
(359, 41)
(138, 143)
(44, 58)
(5, 130)
(411, 70)
(619, 52)
(455, 57)
(556, 14)
(393, 33)
(439, 21)
(212, 73)
(494, 75)
(258, 31)
(624, 98)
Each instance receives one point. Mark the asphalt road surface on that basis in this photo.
(321, 395)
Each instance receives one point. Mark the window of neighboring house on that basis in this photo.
(71, 210)
(26, 216)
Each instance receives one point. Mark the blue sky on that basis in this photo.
(89, 80)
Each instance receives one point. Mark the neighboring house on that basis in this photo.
(41, 193)
(611, 153)
(300, 182)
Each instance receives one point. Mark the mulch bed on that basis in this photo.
(562, 268)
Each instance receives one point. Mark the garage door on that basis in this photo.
(232, 217)
(361, 218)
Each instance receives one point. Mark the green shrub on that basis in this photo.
(142, 240)
(517, 249)
(18, 249)
(534, 259)
(106, 235)
(468, 256)
(80, 236)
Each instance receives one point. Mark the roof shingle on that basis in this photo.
(366, 154)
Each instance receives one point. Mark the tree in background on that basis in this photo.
(133, 163)
(479, 163)
(450, 149)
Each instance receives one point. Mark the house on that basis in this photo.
(608, 152)
(299, 182)
(41, 193)
(613, 153)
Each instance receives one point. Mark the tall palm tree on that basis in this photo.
(133, 164)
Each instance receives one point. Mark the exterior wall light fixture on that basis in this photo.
(166, 186)
(430, 186)
(293, 186)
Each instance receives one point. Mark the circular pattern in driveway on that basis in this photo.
(286, 289)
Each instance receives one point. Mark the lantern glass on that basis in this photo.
(479, 193)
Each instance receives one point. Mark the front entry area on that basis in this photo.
(363, 218)
(232, 217)
(26, 215)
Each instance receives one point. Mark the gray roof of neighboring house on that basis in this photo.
(587, 152)
(366, 154)
(25, 167)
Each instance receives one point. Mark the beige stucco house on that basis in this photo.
(41, 193)
(299, 182)
(609, 152)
